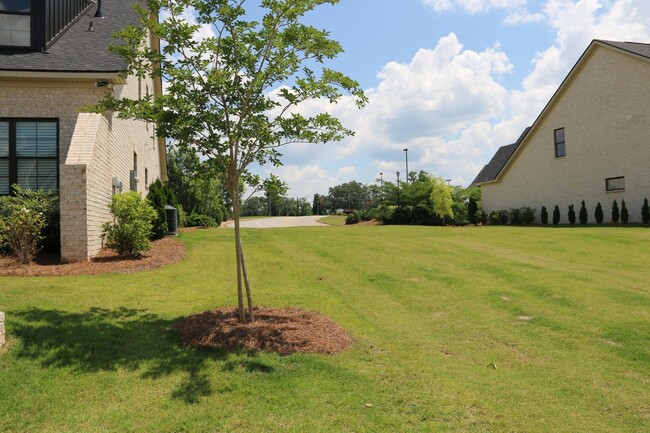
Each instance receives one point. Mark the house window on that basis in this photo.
(560, 147)
(29, 152)
(15, 23)
(615, 183)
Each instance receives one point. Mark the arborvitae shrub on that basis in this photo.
(625, 215)
(472, 208)
(583, 213)
(598, 214)
(556, 215)
(645, 212)
(160, 195)
(544, 215)
(615, 214)
(572, 214)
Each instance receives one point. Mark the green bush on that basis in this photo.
(598, 214)
(615, 214)
(198, 220)
(583, 213)
(472, 210)
(514, 216)
(544, 215)
(43, 202)
(645, 212)
(129, 234)
(556, 215)
(498, 217)
(158, 197)
(625, 215)
(572, 214)
(352, 218)
(21, 230)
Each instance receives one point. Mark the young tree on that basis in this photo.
(583, 213)
(544, 215)
(556, 215)
(442, 199)
(232, 96)
(615, 214)
(645, 212)
(625, 215)
(598, 214)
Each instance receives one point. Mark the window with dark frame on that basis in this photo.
(15, 23)
(29, 154)
(560, 145)
(615, 183)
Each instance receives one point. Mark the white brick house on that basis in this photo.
(591, 142)
(53, 60)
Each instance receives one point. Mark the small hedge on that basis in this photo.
(129, 234)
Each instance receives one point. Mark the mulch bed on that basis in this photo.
(281, 330)
(163, 252)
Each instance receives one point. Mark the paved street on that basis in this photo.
(276, 222)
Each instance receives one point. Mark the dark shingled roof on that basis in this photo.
(498, 161)
(77, 49)
(632, 47)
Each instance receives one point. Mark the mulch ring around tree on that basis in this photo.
(165, 251)
(280, 330)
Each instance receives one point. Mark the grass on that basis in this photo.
(334, 220)
(456, 329)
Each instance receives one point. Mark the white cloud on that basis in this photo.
(524, 17)
(473, 6)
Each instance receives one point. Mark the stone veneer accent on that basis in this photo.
(3, 339)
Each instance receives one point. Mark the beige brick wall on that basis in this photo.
(604, 111)
(92, 150)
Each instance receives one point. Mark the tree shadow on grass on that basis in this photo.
(110, 339)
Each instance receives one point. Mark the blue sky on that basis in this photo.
(451, 80)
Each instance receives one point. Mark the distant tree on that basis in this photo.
(625, 215)
(645, 212)
(255, 206)
(572, 214)
(544, 215)
(275, 191)
(556, 215)
(615, 213)
(583, 214)
(598, 214)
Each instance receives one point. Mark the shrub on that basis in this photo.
(498, 217)
(514, 216)
(625, 215)
(583, 213)
(472, 209)
(352, 218)
(199, 220)
(129, 234)
(39, 201)
(527, 215)
(159, 196)
(598, 214)
(544, 215)
(645, 212)
(615, 213)
(556, 215)
(21, 230)
(572, 214)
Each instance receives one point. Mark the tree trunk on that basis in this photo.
(234, 196)
(249, 297)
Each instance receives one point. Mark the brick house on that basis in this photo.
(53, 60)
(591, 142)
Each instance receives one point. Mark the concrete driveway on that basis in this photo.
(277, 222)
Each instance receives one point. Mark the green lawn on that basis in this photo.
(455, 329)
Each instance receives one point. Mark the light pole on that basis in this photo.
(381, 186)
(406, 152)
(398, 203)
